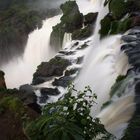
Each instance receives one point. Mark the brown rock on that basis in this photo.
(2, 80)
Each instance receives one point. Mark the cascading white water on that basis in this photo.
(66, 39)
(20, 70)
(106, 63)
(119, 112)
(103, 64)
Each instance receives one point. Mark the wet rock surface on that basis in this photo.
(90, 18)
(132, 49)
(54, 67)
(132, 46)
(52, 77)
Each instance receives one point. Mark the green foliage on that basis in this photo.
(111, 26)
(8, 91)
(106, 104)
(12, 104)
(118, 8)
(105, 25)
(68, 119)
(120, 79)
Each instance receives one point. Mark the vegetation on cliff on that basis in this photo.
(72, 21)
(68, 119)
(122, 16)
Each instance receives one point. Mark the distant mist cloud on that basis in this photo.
(46, 4)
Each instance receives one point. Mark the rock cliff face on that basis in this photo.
(2, 80)
(122, 16)
(132, 49)
(16, 108)
(72, 21)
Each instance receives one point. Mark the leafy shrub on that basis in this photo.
(68, 119)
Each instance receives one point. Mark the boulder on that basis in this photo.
(49, 91)
(54, 67)
(90, 18)
(72, 19)
(27, 94)
(63, 81)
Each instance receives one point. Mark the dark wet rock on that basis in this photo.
(71, 72)
(79, 60)
(105, 25)
(137, 88)
(90, 18)
(135, 31)
(129, 46)
(129, 38)
(67, 52)
(43, 99)
(26, 88)
(76, 44)
(54, 67)
(2, 80)
(135, 21)
(132, 46)
(63, 81)
(49, 91)
(38, 80)
(27, 95)
(82, 33)
(71, 20)
(82, 46)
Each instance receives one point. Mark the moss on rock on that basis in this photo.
(118, 8)
(90, 18)
(71, 20)
(82, 33)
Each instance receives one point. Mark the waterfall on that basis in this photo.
(66, 39)
(103, 63)
(20, 70)
(101, 70)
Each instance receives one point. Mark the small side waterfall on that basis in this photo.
(20, 70)
(67, 39)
